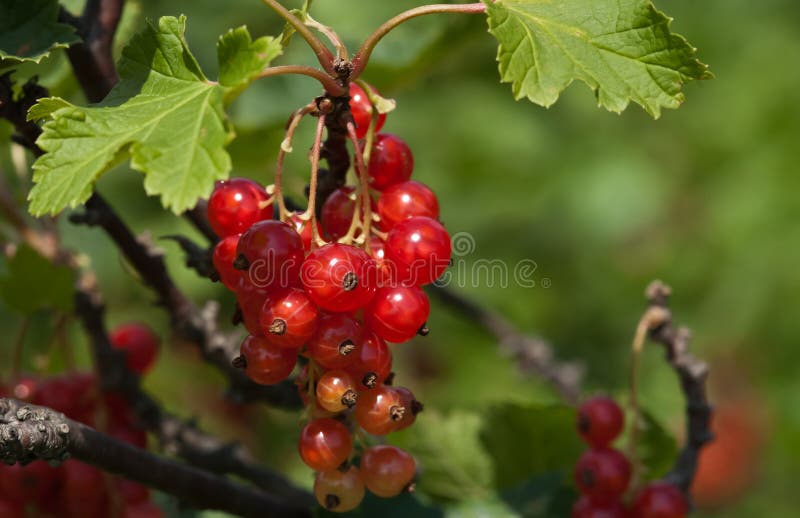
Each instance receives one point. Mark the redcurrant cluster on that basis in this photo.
(334, 295)
(75, 489)
(603, 473)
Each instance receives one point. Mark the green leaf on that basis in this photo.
(543, 496)
(656, 449)
(163, 113)
(29, 30)
(623, 49)
(241, 59)
(450, 454)
(30, 282)
(530, 440)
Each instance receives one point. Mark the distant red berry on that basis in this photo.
(223, 258)
(235, 205)
(659, 500)
(600, 421)
(602, 474)
(587, 508)
(362, 108)
(139, 343)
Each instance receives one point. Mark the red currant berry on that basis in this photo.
(336, 391)
(289, 318)
(139, 343)
(273, 253)
(337, 213)
(600, 421)
(419, 250)
(586, 508)
(223, 258)
(235, 205)
(373, 364)
(339, 491)
(387, 470)
(660, 500)
(406, 200)
(603, 474)
(337, 341)
(412, 406)
(29, 483)
(361, 108)
(390, 161)
(397, 313)
(79, 491)
(265, 363)
(380, 410)
(142, 510)
(132, 492)
(251, 299)
(303, 228)
(339, 277)
(11, 509)
(325, 444)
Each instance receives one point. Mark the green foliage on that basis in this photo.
(622, 49)
(164, 114)
(29, 282)
(29, 30)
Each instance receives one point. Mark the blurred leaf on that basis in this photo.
(622, 49)
(29, 30)
(241, 59)
(544, 496)
(492, 507)
(401, 506)
(656, 449)
(529, 440)
(163, 112)
(454, 465)
(31, 282)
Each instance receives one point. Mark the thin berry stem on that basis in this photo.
(329, 83)
(286, 147)
(361, 172)
(324, 55)
(336, 41)
(362, 56)
(316, 240)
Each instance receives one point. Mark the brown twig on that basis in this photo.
(692, 373)
(532, 354)
(29, 432)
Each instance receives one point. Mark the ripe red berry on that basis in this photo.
(419, 250)
(336, 391)
(337, 213)
(587, 508)
(387, 470)
(289, 318)
(139, 343)
(339, 277)
(373, 364)
(600, 421)
(390, 161)
(406, 200)
(412, 406)
(603, 474)
(380, 410)
(29, 483)
(361, 108)
(274, 252)
(11, 509)
(251, 299)
(339, 491)
(325, 444)
(337, 341)
(659, 500)
(235, 205)
(265, 363)
(223, 258)
(397, 313)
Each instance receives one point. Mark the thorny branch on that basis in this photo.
(29, 432)
(692, 373)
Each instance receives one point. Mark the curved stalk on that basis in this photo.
(316, 240)
(324, 55)
(362, 56)
(286, 147)
(361, 171)
(329, 83)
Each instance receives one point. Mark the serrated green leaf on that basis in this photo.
(529, 440)
(29, 30)
(164, 113)
(31, 282)
(241, 59)
(656, 448)
(455, 465)
(623, 49)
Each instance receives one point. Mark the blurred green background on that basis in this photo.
(706, 199)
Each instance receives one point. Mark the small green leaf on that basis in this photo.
(529, 440)
(623, 49)
(31, 282)
(241, 59)
(656, 449)
(450, 454)
(29, 30)
(164, 113)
